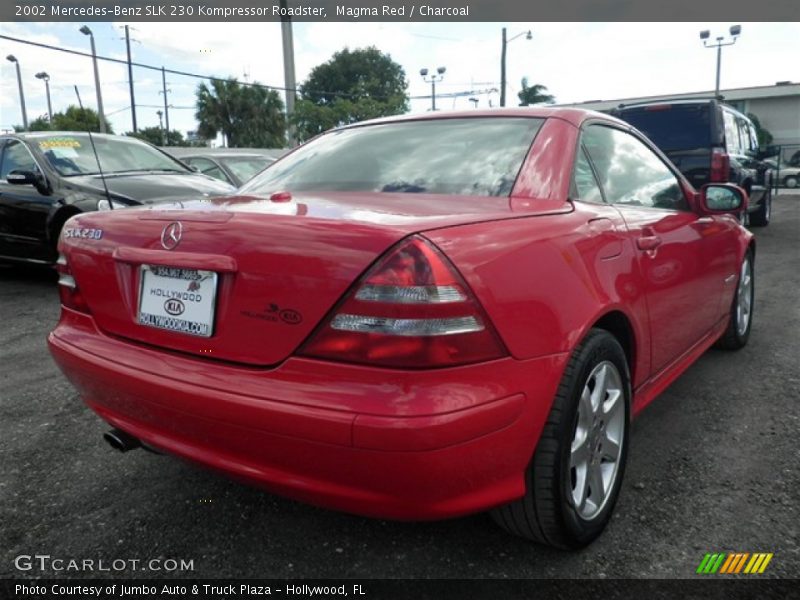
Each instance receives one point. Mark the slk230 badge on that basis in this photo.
(83, 233)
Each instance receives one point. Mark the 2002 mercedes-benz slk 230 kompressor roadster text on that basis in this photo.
(414, 318)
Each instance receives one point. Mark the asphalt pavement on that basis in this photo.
(713, 467)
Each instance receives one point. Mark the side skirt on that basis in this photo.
(651, 388)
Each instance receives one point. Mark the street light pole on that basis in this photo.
(528, 36)
(735, 31)
(46, 77)
(86, 31)
(130, 77)
(438, 76)
(13, 59)
(161, 127)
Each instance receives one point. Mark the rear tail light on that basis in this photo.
(411, 310)
(720, 166)
(71, 296)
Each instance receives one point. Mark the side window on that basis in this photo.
(753, 138)
(585, 186)
(732, 143)
(629, 172)
(207, 167)
(216, 173)
(744, 136)
(16, 156)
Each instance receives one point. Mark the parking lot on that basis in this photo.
(713, 467)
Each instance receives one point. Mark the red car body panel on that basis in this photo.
(399, 443)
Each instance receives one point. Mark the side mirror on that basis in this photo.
(20, 177)
(723, 198)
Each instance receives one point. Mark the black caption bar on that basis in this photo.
(399, 10)
(401, 589)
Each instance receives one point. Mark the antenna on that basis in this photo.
(94, 150)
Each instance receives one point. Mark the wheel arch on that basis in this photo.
(56, 221)
(619, 325)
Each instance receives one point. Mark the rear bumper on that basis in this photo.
(406, 445)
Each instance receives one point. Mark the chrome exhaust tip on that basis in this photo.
(119, 440)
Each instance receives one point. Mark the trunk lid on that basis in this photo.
(280, 266)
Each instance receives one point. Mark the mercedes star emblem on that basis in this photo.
(171, 236)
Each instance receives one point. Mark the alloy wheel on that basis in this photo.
(597, 442)
(744, 298)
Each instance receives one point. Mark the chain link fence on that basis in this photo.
(785, 168)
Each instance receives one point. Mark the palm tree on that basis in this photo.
(216, 108)
(535, 94)
(246, 115)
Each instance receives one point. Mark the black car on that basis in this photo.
(47, 177)
(235, 169)
(710, 142)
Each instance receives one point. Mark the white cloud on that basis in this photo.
(576, 61)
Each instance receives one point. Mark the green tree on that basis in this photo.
(764, 136)
(38, 124)
(248, 116)
(535, 94)
(72, 119)
(78, 119)
(354, 85)
(155, 135)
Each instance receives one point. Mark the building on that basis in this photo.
(776, 106)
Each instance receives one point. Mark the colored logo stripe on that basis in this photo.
(758, 563)
(711, 563)
(734, 563)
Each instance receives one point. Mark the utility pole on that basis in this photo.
(288, 70)
(503, 70)
(130, 77)
(166, 106)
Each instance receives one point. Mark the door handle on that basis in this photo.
(648, 242)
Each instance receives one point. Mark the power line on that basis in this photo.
(182, 73)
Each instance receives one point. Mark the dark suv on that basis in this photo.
(709, 142)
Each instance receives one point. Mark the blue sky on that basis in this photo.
(576, 61)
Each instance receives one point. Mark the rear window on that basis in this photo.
(673, 126)
(473, 156)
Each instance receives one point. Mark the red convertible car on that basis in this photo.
(413, 318)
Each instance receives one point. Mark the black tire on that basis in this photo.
(736, 336)
(546, 513)
(761, 217)
(790, 182)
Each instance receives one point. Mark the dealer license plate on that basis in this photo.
(177, 299)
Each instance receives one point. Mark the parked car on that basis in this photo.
(710, 142)
(785, 176)
(47, 177)
(414, 318)
(235, 169)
